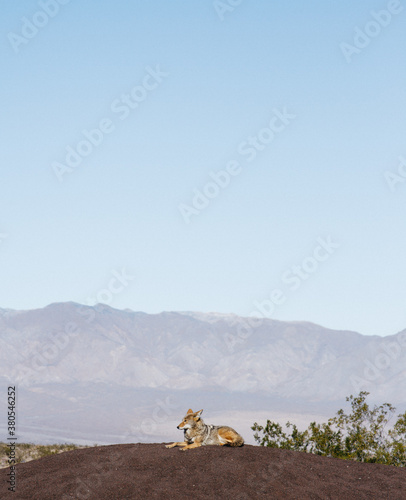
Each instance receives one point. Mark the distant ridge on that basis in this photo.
(92, 363)
(229, 352)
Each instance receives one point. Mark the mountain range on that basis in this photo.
(97, 374)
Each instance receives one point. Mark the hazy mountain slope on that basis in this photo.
(79, 357)
(73, 343)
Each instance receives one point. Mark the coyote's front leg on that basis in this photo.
(191, 446)
(184, 443)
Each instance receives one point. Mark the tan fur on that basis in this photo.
(197, 433)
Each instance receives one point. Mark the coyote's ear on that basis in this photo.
(198, 413)
(189, 411)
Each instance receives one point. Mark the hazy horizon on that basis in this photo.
(220, 314)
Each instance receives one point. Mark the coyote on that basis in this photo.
(197, 433)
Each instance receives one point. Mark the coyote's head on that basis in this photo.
(190, 419)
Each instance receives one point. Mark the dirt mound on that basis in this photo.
(147, 471)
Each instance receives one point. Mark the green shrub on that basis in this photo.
(26, 452)
(361, 435)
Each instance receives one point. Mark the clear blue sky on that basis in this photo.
(180, 91)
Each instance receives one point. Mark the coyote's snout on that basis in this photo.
(197, 433)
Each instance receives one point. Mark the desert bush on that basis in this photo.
(360, 435)
(25, 452)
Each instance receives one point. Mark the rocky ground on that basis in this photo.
(150, 471)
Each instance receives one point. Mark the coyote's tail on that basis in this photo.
(238, 441)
